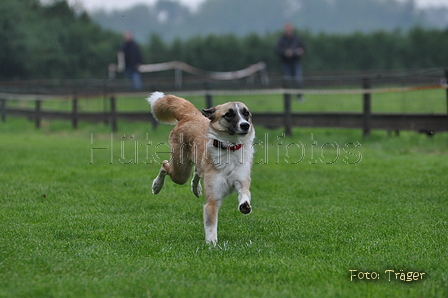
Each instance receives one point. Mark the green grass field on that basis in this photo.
(82, 222)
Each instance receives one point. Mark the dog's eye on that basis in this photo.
(230, 113)
(245, 113)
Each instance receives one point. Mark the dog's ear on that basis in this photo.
(209, 113)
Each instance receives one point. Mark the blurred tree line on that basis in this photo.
(58, 41)
(52, 41)
(415, 48)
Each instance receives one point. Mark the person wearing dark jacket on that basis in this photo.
(290, 49)
(132, 60)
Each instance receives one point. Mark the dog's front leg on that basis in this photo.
(242, 189)
(211, 209)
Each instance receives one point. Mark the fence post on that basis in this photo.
(208, 96)
(37, 113)
(366, 107)
(446, 90)
(105, 111)
(208, 100)
(287, 108)
(75, 113)
(3, 109)
(113, 113)
(178, 78)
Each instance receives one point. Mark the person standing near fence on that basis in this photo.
(132, 60)
(290, 48)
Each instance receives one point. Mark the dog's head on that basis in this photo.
(232, 118)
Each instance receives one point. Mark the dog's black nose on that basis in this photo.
(244, 126)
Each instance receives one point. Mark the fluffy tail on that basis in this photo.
(170, 109)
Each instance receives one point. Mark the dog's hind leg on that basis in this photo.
(178, 172)
(243, 196)
(196, 187)
(157, 184)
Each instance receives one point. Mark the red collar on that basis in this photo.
(219, 144)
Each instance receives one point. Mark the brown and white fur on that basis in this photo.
(219, 146)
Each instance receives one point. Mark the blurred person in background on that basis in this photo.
(132, 60)
(290, 49)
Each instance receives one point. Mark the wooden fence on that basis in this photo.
(429, 123)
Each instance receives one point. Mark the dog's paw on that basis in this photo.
(245, 208)
(213, 242)
(157, 185)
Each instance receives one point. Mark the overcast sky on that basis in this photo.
(113, 4)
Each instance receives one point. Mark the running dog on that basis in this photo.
(219, 146)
